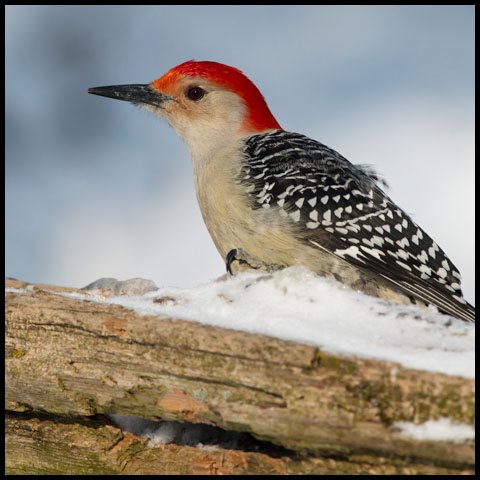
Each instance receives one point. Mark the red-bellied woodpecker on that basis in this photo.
(272, 198)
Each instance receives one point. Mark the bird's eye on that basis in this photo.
(195, 93)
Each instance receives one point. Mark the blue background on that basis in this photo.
(98, 188)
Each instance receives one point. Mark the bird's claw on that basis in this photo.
(248, 261)
(231, 257)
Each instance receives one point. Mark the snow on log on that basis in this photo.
(70, 362)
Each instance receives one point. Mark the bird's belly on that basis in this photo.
(233, 223)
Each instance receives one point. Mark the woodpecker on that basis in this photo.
(271, 198)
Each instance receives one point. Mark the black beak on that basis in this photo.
(132, 93)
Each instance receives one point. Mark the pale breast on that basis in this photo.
(229, 218)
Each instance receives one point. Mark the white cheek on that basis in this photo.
(208, 126)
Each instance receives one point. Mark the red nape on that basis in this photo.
(259, 116)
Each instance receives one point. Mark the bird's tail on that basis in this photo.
(445, 302)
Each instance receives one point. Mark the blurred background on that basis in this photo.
(98, 188)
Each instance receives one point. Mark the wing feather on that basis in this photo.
(332, 199)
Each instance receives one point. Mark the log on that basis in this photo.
(68, 358)
(39, 445)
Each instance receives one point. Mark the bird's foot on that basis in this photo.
(246, 261)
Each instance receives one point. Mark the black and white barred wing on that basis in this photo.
(340, 208)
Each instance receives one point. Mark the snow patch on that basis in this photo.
(296, 304)
(164, 432)
(17, 290)
(159, 433)
(442, 429)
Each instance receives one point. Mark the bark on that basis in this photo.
(44, 446)
(69, 361)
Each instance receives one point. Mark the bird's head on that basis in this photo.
(207, 103)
